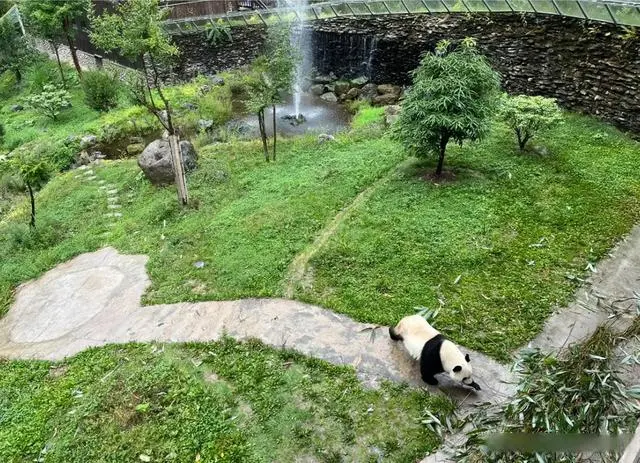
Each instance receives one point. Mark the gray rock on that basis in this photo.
(384, 100)
(205, 125)
(135, 148)
(342, 87)
(352, 94)
(155, 161)
(16, 107)
(391, 114)
(98, 155)
(84, 159)
(317, 89)
(368, 91)
(329, 88)
(359, 81)
(217, 81)
(330, 97)
(385, 89)
(322, 80)
(540, 150)
(204, 89)
(88, 141)
(133, 140)
(189, 106)
(324, 137)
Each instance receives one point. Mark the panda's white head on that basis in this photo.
(457, 365)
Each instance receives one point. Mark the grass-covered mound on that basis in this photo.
(224, 402)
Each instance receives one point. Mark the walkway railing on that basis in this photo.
(609, 11)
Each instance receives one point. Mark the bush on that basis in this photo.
(44, 72)
(101, 90)
(51, 101)
(529, 115)
(7, 84)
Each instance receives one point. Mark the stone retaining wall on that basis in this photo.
(588, 67)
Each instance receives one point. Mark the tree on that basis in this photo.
(15, 51)
(33, 170)
(54, 20)
(529, 115)
(453, 97)
(51, 101)
(274, 73)
(135, 32)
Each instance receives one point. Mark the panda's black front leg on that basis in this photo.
(431, 380)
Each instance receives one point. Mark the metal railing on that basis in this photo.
(610, 11)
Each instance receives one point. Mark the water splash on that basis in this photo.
(301, 39)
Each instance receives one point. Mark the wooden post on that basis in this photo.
(178, 169)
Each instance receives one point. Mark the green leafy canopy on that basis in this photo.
(51, 101)
(529, 115)
(453, 97)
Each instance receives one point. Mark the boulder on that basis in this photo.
(322, 80)
(317, 89)
(329, 88)
(155, 161)
(205, 125)
(368, 92)
(87, 141)
(352, 94)
(330, 97)
(217, 81)
(384, 100)
(189, 106)
(359, 81)
(389, 89)
(391, 114)
(341, 87)
(324, 137)
(16, 107)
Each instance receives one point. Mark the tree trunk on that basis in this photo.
(55, 49)
(275, 136)
(72, 48)
(444, 139)
(18, 74)
(158, 86)
(263, 134)
(33, 206)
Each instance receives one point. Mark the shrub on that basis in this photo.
(453, 97)
(43, 73)
(7, 84)
(34, 170)
(101, 90)
(51, 101)
(529, 115)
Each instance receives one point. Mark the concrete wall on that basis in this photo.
(589, 67)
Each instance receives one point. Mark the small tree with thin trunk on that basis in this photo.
(135, 32)
(274, 73)
(33, 170)
(453, 97)
(55, 21)
(15, 51)
(529, 115)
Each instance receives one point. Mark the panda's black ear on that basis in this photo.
(466, 357)
(457, 369)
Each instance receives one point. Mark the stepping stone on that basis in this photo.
(103, 187)
(93, 177)
(112, 192)
(102, 182)
(114, 206)
(112, 199)
(113, 214)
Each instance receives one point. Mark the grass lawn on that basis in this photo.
(497, 248)
(223, 402)
(248, 221)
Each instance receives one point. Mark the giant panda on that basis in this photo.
(436, 354)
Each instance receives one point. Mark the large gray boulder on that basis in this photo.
(155, 161)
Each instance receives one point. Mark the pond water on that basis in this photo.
(319, 117)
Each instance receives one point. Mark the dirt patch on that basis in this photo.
(446, 177)
(58, 371)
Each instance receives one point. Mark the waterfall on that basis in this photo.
(300, 39)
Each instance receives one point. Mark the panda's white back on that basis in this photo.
(415, 332)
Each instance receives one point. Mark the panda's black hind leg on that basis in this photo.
(431, 380)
